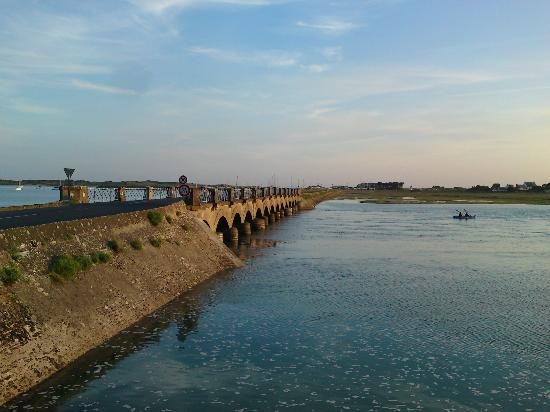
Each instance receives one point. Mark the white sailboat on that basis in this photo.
(19, 186)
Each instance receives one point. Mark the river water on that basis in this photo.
(357, 307)
(30, 195)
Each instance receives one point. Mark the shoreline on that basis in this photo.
(46, 323)
(470, 198)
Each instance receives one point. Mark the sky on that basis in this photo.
(429, 92)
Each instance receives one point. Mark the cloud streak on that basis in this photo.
(270, 58)
(100, 88)
(329, 25)
(162, 6)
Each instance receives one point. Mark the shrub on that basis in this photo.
(14, 252)
(100, 257)
(185, 227)
(136, 244)
(154, 217)
(178, 213)
(155, 241)
(169, 219)
(95, 256)
(84, 261)
(114, 245)
(9, 275)
(65, 265)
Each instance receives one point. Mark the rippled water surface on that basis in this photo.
(357, 307)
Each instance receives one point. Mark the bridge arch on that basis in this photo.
(222, 225)
(248, 217)
(237, 220)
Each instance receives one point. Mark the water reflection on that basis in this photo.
(183, 314)
(356, 306)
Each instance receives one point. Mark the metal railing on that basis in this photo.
(201, 194)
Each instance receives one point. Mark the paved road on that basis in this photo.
(40, 216)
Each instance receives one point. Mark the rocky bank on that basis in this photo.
(46, 322)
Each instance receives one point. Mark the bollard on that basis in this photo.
(234, 234)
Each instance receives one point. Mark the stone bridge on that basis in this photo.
(230, 211)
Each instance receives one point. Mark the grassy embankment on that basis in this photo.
(406, 196)
(313, 197)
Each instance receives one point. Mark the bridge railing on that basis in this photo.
(200, 195)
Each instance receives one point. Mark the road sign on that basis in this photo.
(183, 179)
(184, 190)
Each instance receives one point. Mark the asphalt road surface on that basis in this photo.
(40, 216)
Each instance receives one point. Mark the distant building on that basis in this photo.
(381, 186)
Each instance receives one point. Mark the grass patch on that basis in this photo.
(100, 257)
(136, 244)
(154, 217)
(14, 252)
(84, 261)
(114, 245)
(155, 241)
(66, 266)
(9, 275)
(169, 219)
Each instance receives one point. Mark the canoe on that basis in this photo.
(464, 217)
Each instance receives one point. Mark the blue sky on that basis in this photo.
(333, 92)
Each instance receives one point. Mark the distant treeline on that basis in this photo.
(527, 187)
(109, 183)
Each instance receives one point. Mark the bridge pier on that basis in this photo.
(266, 220)
(234, 234)
(259, 223)
(246, 228)
(220, 235)
(272, 218)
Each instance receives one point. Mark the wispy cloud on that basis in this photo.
(31, 108)
(329, 25)
(332, 53)
(315, 68)
(269, 58)
(100, 88)
(161, 6)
